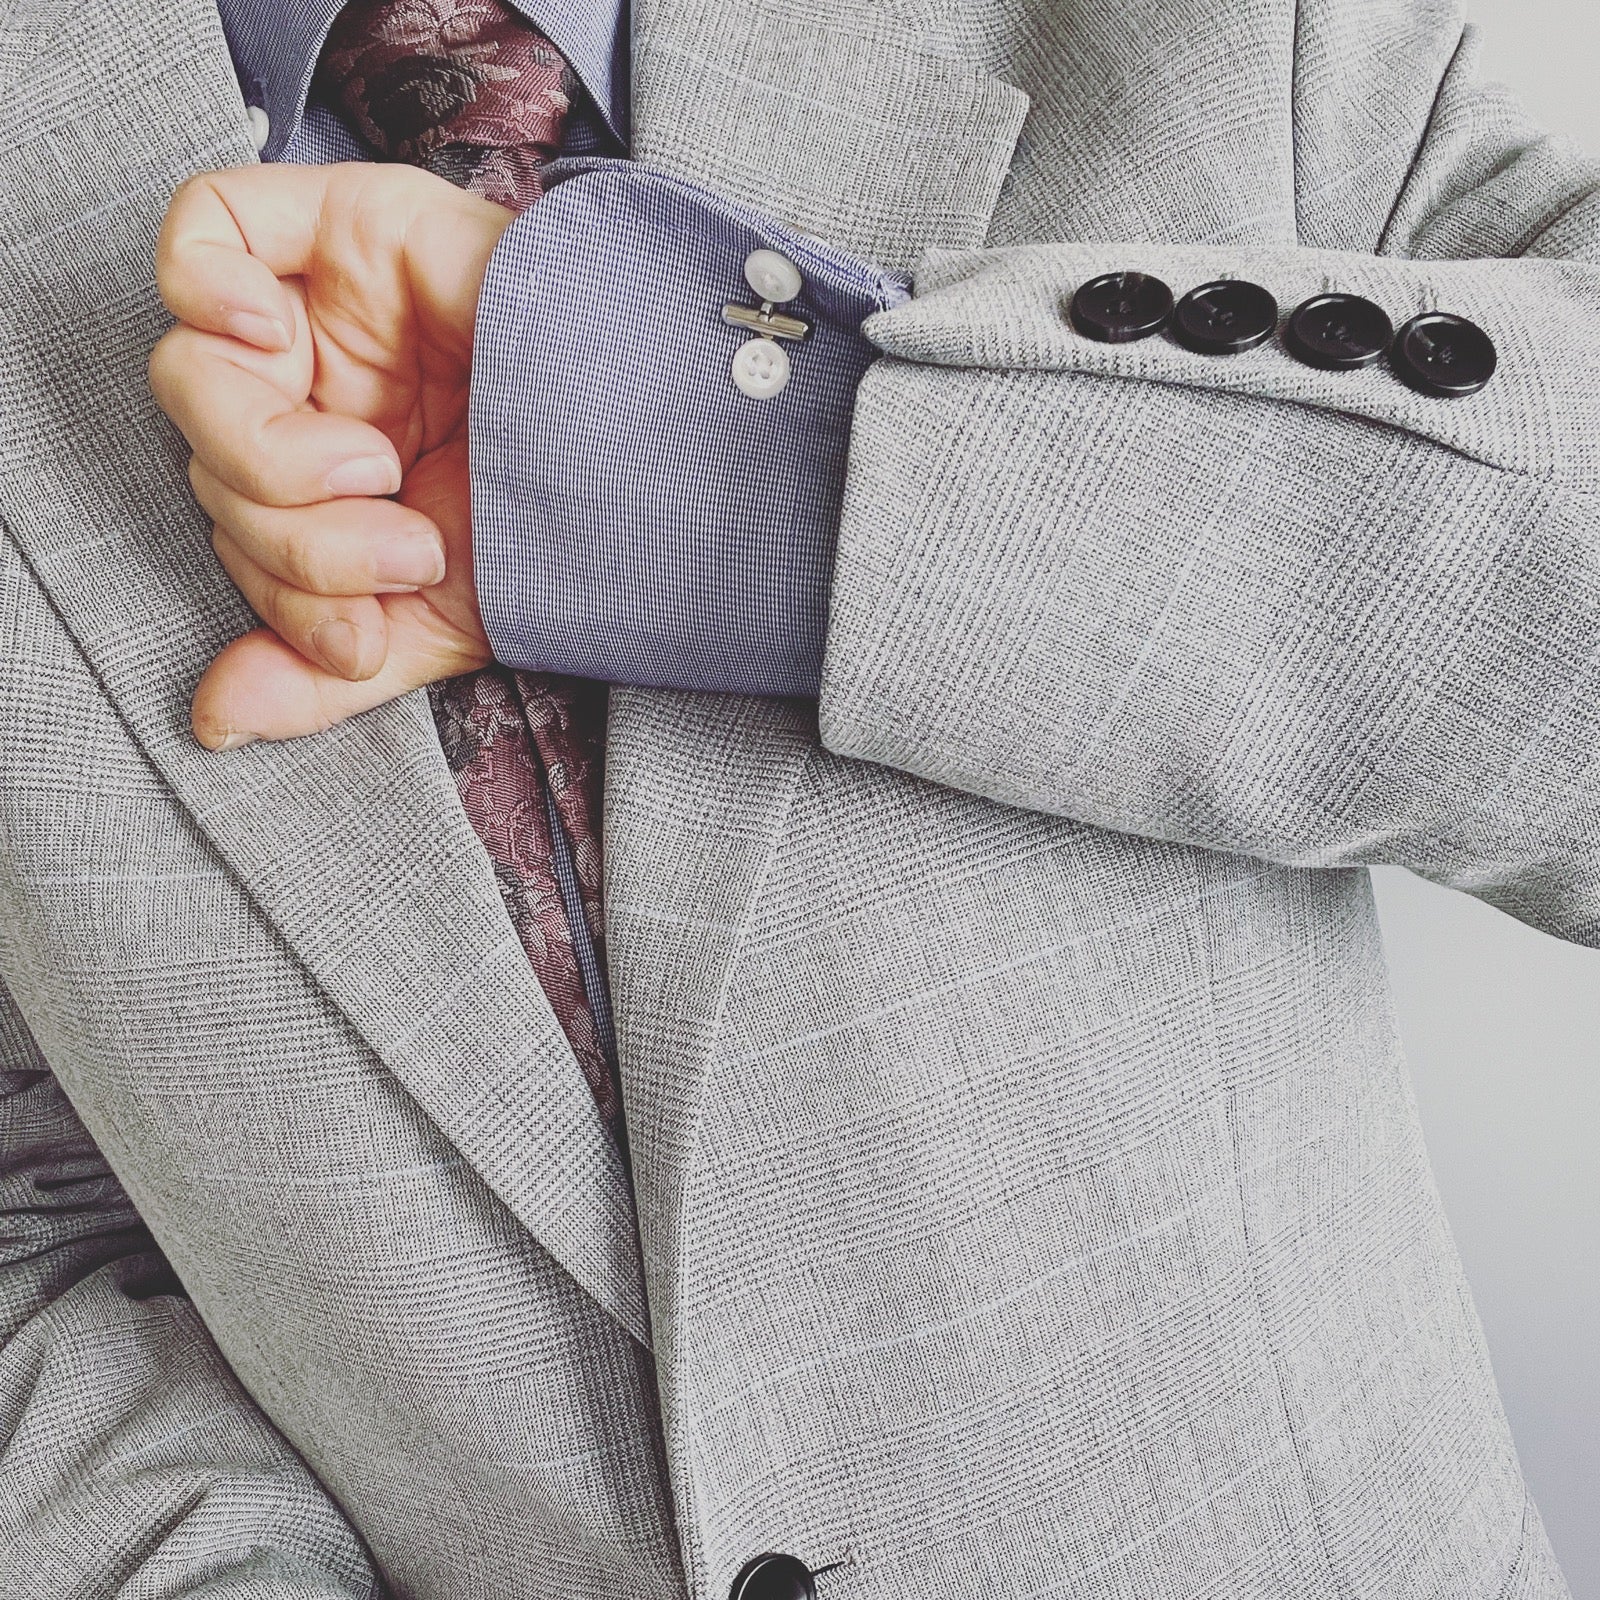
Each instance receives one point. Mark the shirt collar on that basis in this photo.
(275, 45)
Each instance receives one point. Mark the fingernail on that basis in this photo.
(339, 645)
(410, 563)
(365, 475)
(267, 333)
(224, 739)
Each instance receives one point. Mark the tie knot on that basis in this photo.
(465, 88)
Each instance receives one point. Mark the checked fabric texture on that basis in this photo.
(470, 91)
(1027, 1197)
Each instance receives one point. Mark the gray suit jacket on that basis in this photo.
(1030, 1199)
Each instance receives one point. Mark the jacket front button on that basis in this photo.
(1225, 318)
(1443, 356)
(774, 1577)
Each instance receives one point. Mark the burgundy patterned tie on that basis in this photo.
(470, 91)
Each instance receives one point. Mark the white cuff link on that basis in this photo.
(760, 368)
(773, 277)
(761, 365)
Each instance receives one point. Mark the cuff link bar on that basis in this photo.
(761, 365)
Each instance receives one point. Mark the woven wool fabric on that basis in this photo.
(1029, 1196)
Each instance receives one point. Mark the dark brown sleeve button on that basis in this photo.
(1444, 356)
(1338, 333)
(1121, 307)
(774, 1577)
(1225, 318)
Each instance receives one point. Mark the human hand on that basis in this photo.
(320, 365)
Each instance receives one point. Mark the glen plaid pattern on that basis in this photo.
(1028, 1206)
(471, 91)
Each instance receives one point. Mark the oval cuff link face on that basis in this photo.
(1436, 354)
(761, 366)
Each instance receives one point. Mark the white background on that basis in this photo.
(1503, 1025)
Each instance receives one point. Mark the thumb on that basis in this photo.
(259, 688)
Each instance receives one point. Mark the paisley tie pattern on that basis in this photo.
(465, 88)
(518, 743)
(473, 93)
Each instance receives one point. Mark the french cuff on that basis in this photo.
(656, 487)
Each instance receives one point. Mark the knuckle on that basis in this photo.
(255, 477)
(233, 562)
(264, 472)
(275, 608)
(202, 485)
(327, 715)
(162, 370)
(263, 594)
(226, 551)
(303, 562)
(181, 202)
(187, 189)
(188, 194)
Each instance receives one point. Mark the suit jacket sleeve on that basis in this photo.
(1311, 617)
(131, 1461)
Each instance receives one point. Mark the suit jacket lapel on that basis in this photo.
(840, 120)
(354, 842)
(697, 791)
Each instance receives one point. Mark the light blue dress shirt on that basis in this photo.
(636, 517)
